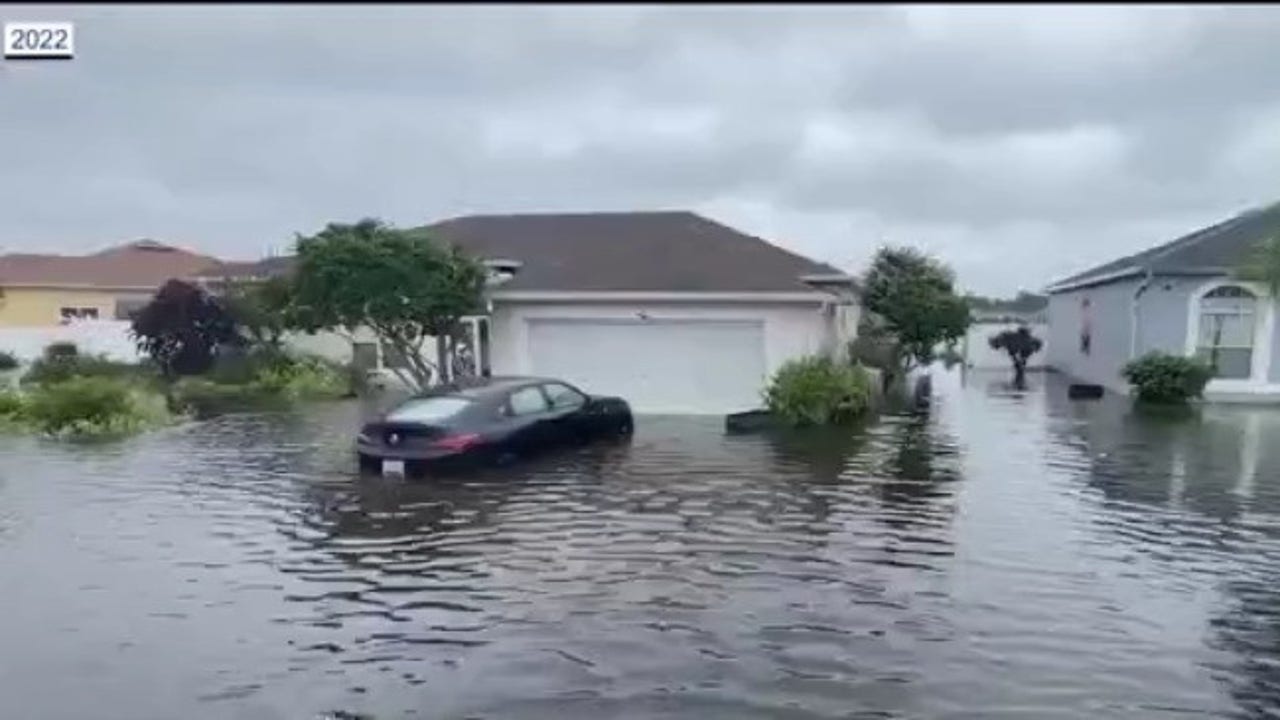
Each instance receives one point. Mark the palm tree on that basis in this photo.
(1262, 265)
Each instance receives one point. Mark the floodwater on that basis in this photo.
(1010, 555)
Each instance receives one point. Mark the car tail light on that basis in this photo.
(456, 443)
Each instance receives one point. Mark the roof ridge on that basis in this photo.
(767, 242)
(1198, 236)
(560, 214)
(1144, 260)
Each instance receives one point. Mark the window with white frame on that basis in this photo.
(1227, 322)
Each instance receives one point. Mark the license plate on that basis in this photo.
(392, 467)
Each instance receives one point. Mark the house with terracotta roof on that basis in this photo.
(1183, 297)
(675, 311)
(46, 290)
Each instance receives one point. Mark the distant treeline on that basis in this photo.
(1024, 303)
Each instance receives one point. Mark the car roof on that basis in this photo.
(483, 388)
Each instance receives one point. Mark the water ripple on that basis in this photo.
(1010, 554)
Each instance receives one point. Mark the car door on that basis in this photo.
(567, 421)
(526, 411)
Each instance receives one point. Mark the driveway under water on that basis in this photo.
(1010, 555)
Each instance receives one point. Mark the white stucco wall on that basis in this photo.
(1111, 314)
(331, 345)
(790, 329)
(106, 337)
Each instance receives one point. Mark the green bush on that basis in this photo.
(202, 397)
(93, 406)
(305, 379)
(8, 361)
(12, 408)
(61, 349)
(262, 379)
(61, 362)
(818, 391)
(1163, 378)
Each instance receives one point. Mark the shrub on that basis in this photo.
(818, 391)
(12, 407)
(46, 370)
(305, 378)
(61, 349)
(93, 406)
(204, 398)
(1163, 378)
(8, 361)
(260, 380)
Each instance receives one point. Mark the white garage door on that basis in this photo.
(659, 366)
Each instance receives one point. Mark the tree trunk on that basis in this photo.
(442, 358)
(1020, 373)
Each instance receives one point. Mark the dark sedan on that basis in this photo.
(490, 421)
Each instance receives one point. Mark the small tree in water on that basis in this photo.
(1021, 345)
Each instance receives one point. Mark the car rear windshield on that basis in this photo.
(425, 410)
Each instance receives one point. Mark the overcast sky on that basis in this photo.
(1017, 144)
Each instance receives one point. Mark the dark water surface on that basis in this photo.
(1012, 556)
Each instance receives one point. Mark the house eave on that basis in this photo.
(1110, 277)
(1134, 271)
(77, 286)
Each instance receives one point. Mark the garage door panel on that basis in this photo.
(659, 366)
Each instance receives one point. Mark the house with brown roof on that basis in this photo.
(675, 311)
(45, 290)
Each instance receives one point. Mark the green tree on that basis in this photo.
(402, 285)
(914, 298)
(263, 308)
(1262, 264)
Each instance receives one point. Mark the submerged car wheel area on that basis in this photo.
(491, 421)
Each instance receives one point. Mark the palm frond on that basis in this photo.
(1262, 265)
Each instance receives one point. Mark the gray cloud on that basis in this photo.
(1018, 144)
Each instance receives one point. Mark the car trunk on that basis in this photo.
(406, 435)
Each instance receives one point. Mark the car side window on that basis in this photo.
(527, 401)
(564, 397)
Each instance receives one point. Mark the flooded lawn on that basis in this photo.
(1013, 555)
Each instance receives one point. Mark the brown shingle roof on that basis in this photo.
(141, 264)
(611, 251)
(629, 251)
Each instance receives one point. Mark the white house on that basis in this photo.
(1183, 297)
(675, 312)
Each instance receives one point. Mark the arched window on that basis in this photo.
(1226, 331)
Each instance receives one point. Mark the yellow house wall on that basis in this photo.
(33, 307)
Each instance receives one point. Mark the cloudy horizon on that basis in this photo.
(1017, 144)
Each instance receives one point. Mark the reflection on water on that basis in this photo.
(1010, 554)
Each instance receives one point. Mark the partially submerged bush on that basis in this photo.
(93, 406)
(62, 361)
(13, 408)
(305, 378)
(8, 361)
(818, 391)
(204, 398)
(1163, 378)
(273, 380)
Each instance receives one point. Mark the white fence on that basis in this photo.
(111, 338)
(978, 353)
(107, 337)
